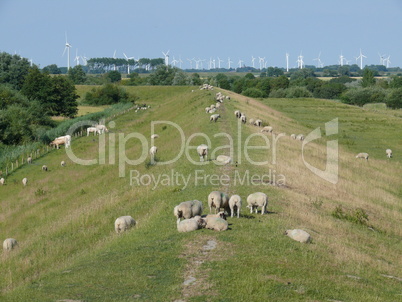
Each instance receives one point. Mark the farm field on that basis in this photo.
(64, 218)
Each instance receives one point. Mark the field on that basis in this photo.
(64, 218)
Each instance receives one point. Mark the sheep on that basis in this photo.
(217, 105)
(212, 110)
(2, 181)
(235, 202)
(25, 181)
(268, 129)
(256, 200)
(44, 168)
(63, 163)
(293, 136)
(237, 113)
(202, 151)
(207, 109)
(220, 215)
(218, 200)
(243, 119)
(153, 150)
(101, 129)
(389, 153)
(212, 106)
(214, 117)
(258, 123)
(9, 244)
(188, 209)
(92, 129)
(227, 97)
(216, 223)
(224, 159)
(300, 137)
(153, 136)
(29, 160)
(192, 224)
(363, 155)
(298, 235)
(123, 223)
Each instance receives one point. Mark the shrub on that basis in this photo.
(298, 92)
(394, 98)
(278, 93)
(254, 93)
(358, 216)
(107, 95)
(361, 96)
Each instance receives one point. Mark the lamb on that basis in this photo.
(44, 168)
(389, 153)
(268, 129)
(9, 244)
(258, 123)
(2, 181)
(153, 151)
(224, 159)
(216, 223)
(214, 117)
(363, 155)
(29, 160)
(92, 129)
(237, 113)
(188, 209)
(243, 119)
(63, 163)
(25, 181)
(256, 200)
(300, 137)
(189, 225)
(218, 200)
(298, 235)
(123, 223)
(235, 202)
(202, 151)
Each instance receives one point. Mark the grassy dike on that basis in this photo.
(64, 218)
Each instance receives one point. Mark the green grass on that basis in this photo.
(64, 218)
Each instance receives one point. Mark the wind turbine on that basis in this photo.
(174, 62)
(341, 59)
(180, 61)
(252, 61)
(319, 63)
(114, 57)
(382, 59)
(67, 46)
(361, 56)
(287, 62)
(388, 61)
(191, 62)
(262, 62)
(300, 61)
(128, 63)
(84, 60)
(77, 58)
(240, 63)
(229, 63)
(219, 63)
(166, 57)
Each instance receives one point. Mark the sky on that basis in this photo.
(204, 30)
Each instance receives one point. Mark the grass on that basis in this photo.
(64, 218)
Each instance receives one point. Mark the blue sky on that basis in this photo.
(205, 29)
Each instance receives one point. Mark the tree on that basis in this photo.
(195, 79)
(368, 78)
(52, 69)
(163, 75)
(114, 76)
(77, 75)
(394, 99)
(222, 81)
(280, 82)
(107, 95)
(13, 70)
(63, 98)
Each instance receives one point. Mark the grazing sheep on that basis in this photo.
(218, 200)
(214, 117)
(25, 181)
(235, 202)
(9, 244)
(153, 150)
(207, 109)
(154, 136)
(268, 129)
(256, 200)
(243, 119)
(224, 159)
(29, 160)
(92, 130)
(258, 123)
(300, 137)
(251, 121)
(389, 153)
(2, 181)
(188, 209)
(227, 97)
(216, 223)
(212, 106)
(189, 225)
(298, 235)
(217, 105)
(237, 113)
(123, 223)
(363, 155)
(293, 136)
(44, 168)
(63, 163)
(202, 151)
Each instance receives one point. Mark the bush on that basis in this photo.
(254, 93)
(394, 98)
(358, 216)
(361, 96)
(278, 93)
(298, 92)
(107, 95)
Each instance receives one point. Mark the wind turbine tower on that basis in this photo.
(361, 56)
(67, 46)
(128, 63)
(229, 63)
(300, 61)
(318, 59)
(219, 63)
(252, 61)
(166, 57)
(287, 62)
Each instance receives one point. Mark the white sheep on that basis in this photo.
(202, 151)
(256, 200)
(237, 113)
(220, 215)
(123, 223)
(268, 129)
(212, 106)
(216, 223)
(63, 163)
(243, 119)
(9, 244)
(227, 97)
(29, 160)
(218, 200)
(300, 137)
(224, 159)
(217, 105)
(2, 181)
(258, 123)
(44, 168)
(298, 235)
(214, 117)
(153, 136)
(363, 155)
(207, 109)
(293, 136)
(251, 121)
(235, 203)
(153, 150)
(389, 153)
(188, 209)
(189, 225)
(25, 181)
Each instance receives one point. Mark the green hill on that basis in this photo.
(64, 218)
